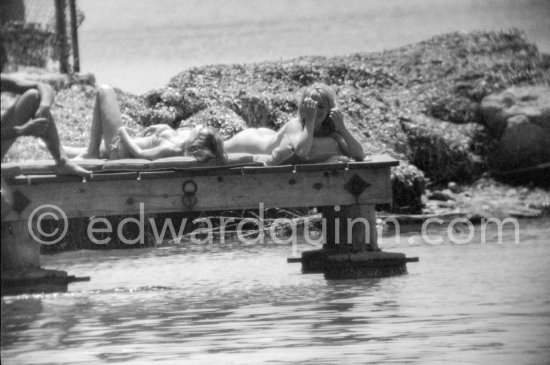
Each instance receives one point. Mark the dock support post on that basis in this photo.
(357, 254)
(20, 264)
(331, 216)
(19, 251)
(370, 213)
(361, 220)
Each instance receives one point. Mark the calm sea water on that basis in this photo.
(140, 45)
(233, 304)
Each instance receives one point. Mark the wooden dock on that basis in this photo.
(163, 187)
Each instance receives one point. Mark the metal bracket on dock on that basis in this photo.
(356, 186)
(189, 199)
(20, 201)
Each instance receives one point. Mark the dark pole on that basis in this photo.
(74, 36)
(62, 36)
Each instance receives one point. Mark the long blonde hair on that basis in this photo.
(206, 146)
(326, 95)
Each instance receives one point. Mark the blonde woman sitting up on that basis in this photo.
(317, 134)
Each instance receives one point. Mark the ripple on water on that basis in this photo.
(459, 304)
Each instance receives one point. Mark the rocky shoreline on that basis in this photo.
(420, 103)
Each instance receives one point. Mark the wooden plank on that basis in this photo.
(156, 174)
(374, 162)
(209, 171)
(162, 195)
(321, 167)
(44, 179)
(179, 173)
(114, 176)
(250, 170)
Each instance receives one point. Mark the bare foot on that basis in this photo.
(68, 167)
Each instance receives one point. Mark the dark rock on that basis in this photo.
(408, 186)
(519, 118)
(220, 117)
(440, 195)
(153, 97)
(254, 109)
(453, 187)
(443, 150)
(479, 216)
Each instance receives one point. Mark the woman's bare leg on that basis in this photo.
(21, 113)
(72, 151)
(76, 151)
(106, 121)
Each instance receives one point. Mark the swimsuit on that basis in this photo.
(322, 149)
(117, 149)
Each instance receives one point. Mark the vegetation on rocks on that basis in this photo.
(417, 103)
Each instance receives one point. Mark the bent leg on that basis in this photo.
(76, 152)
(106, 121)
(21, 113)
(18, 114)
(51, 138)
(63, 166)
(72, 151)
(109, 115)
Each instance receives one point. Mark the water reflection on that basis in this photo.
(222, 304)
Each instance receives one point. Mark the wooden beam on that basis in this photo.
(369, 213)
(19, 250)
(100, 197)
(62, 35)
(74, 36)
(359, 227)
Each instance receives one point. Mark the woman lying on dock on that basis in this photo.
(203, 143)
(318, 133)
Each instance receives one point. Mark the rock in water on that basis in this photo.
(519, 118)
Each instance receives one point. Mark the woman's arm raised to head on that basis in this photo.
(348, 143)
(301, 134)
